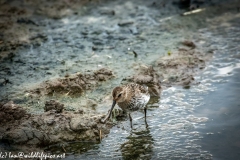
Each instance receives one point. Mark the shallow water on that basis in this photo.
(201, 122)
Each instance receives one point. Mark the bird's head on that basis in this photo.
(118, 94)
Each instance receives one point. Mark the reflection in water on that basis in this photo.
(139, 145)
(72, 148)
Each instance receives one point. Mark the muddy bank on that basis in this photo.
(50, 127)
(11, 113)
(176, 68)
(55, 125)
(179, 67)
(73, 85)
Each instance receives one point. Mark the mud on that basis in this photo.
(180, 67)
(50, 127)
(53, 105)
(177, 68)
(21, 16)
(11, 113)
(73, 85)
(56, 125)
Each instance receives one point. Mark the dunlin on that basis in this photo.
(130, 97)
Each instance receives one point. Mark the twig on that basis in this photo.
(135, 54)
(100, 134)
(67, 93)
(64, 149)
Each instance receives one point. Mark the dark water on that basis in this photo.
(221, 134)
(223, 107)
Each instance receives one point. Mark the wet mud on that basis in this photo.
(21, 128)
(11, 113)
(73, 85)
(24, 18)
(180, 67)
(177, 68)
(56, 125)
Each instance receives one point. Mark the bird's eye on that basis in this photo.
(120, 95)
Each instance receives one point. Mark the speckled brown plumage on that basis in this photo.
(130, 97)
(133, 96)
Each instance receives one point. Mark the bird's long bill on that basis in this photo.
(109, 113)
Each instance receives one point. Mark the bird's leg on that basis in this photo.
(130, 119)
(145, 114)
